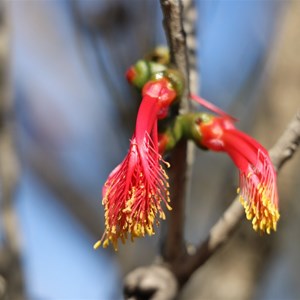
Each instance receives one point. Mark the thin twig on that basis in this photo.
(173, 16)
(287, 144)
(176, 37)
(189, 25)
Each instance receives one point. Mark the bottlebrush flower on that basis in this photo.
(134, 190)
(258, 190)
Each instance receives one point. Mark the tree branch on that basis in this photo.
(173, 24)
(155, 282)
(287, 144)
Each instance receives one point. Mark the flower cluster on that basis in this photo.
(137, 189)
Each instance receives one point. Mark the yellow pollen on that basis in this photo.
(162, 215)
(249, 175)
(167, 164)
(97, 244)
(114, 242)
(106, 243)
(168, 206)
(149, 230)
(126, 209)
(264, 214)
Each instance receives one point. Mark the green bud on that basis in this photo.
(160, 54)
(184, 126)
(176, 80)
(144, 70)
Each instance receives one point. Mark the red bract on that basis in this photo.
(258, 190)
(134, 190)
(163, 91)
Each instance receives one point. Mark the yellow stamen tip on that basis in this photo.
(97, 245)
(167, 164)
(168, 207)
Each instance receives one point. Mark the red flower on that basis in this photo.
(134, 190)
(258, 190)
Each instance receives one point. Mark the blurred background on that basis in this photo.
(67, 114)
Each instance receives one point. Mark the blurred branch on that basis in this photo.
(11, 281)
(100, 26)
(154, 282)
(3, 288)
(189, 25)
(53, 177)
(108, 29)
